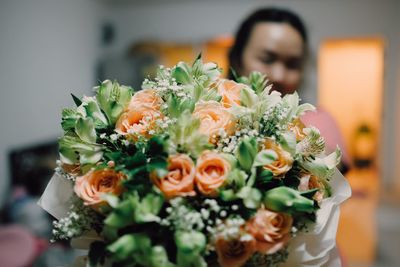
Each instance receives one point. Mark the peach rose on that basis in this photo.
(234, 252)
(284, 161)
(211, 172)
(230, 92)
(92, 185)
(138, 121)
(271, 230)
(180, 178)
(213, 119)
(308, 182)
(297, 127)
(147, 97)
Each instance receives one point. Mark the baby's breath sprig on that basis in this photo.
(78, 220)
(273, 122)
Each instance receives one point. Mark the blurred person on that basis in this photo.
(274, 42)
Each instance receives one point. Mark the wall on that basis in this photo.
(47, 50)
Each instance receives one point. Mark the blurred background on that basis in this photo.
(49, 49)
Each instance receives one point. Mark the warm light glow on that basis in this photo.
(351, 83)
(351, 88)
(216, 50)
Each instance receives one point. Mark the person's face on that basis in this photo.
(277, 50)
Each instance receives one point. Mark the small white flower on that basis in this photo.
(114, 137)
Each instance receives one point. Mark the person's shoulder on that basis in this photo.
(318, 117)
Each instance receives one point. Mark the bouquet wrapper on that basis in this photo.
(56, 198)
(317, 247)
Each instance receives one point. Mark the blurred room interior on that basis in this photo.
(49, 49)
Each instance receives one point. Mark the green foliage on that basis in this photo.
(176, 106)
(285, 199)
(113, 99)
(84, 128)
(77, 101)
(190, 245)
(185, 136)
(246, 153)
(73, 149)
(135, 210)
(68, 120)
(322, 167)
(251, 197)
(137, 249)
(264, 157)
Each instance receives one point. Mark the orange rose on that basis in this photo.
(214, 118)
(147, 97)
(92, 185)
(234, 252)
(230, 92)
(297, 127)
(180, 177)
(284, 161)
(271, 230)
(138, 121)
(308, 182)
(211, 172)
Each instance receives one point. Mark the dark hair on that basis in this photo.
(262, 15)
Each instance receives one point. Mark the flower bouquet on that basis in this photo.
(192, 170)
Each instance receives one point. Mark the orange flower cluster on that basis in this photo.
(266, 232)
(209, 174)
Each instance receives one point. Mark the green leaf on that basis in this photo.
(246, 153)
(159, 165)
(182, 73)
(113, 99)
(228, 195)
(77, 101)
(190, 245)
(84, 128)
(137, 160)
(72, 149)
(322, 167)
(159, 257)
(69, 117)
(265, 157)
(304, 108)
(185, 260)
(148, 208)
(285, 199)
(251, 197)
(122, 215)
(309, 193)
(247, 97)
(177, 106)
(265, 176)
(288, 142)
(111, 199)
(190, 242)
(136, 246)
(93, 111)
(237, 178)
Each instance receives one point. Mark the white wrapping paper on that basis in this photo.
(57, 196)
(317, 247)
